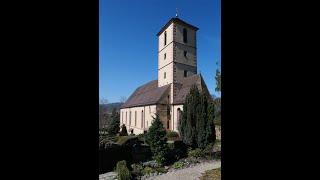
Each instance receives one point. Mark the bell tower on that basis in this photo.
(177, 53)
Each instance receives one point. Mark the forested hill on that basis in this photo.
(108, 107)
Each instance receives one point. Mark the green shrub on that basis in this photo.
(208, 150)
(160, 157)
(196, 153)
(172, 135)
(177, 165)
(147, 170)
(217, 155)
(137, 169)
(141, 137)
(171, 146)
(124, 139)
(123, 171)
(161, 170)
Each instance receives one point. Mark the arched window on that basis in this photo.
(165, 37)
(135, 118)
(142, 119)
(122, 117)
(185, 35)
(126, 118)
(130, 118)
(165, 75)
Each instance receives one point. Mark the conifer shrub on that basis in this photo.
(114, 124)
(157, 140)
(172, 135)
(123, 131)
(196, 126)
(123, 171)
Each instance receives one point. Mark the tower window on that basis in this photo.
(165, 55)
(165, 37)
(185, 35)
(165, 75)
(185, 73)
(185, 54)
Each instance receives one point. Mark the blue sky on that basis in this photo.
(128, 41)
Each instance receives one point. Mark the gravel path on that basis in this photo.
(191, 173)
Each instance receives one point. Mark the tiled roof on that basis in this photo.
(146, 94)
(187, 83)
(150, 93)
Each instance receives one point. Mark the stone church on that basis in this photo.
(177, 72)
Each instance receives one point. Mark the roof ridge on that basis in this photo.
(151, 89)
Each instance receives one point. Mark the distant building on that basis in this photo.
(177, 72)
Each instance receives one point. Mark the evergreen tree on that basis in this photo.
(211, 131)
(202, 121)
(156, 138)
(123, 131)
(187, 126)
(196, 126)
(114, 124)
(218, 80)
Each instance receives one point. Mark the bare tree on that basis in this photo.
(102, 120)
(103, 101)
(123, 99)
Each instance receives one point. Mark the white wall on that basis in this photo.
(169, 31)
(169, 75)
(137, 127)
(165, 65)
(174, 117)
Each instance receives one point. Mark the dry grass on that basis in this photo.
(214, 174)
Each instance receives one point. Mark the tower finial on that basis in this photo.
(176, 12)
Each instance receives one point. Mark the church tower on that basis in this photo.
(177, 54)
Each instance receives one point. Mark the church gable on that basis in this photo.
(186, 85)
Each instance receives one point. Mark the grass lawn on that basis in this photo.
(214, 174)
